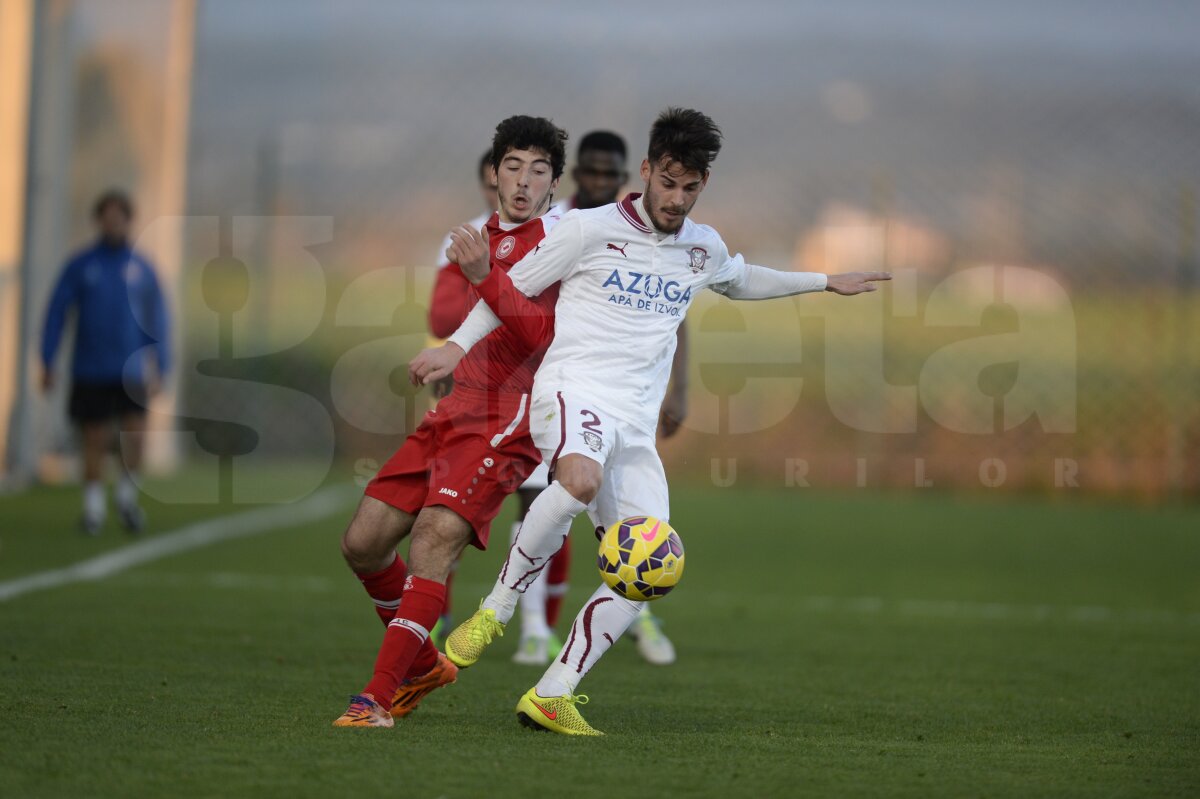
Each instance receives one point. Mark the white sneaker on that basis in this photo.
(534, 650)
(652, 644)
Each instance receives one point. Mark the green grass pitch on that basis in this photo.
(844, 644)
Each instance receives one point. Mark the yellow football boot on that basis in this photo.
(554, 714)
(469, 639)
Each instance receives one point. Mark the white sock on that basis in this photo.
(541, 535)
(93, 499)
(127, 492)
(603, 620)
(533, 609)
(533, 601)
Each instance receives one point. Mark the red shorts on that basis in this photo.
(468, 454)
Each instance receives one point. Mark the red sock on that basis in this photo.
(385, 587)
(556, 582)
(407, 637)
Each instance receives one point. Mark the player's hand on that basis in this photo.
(674, 411)
(435, 363)
(153, 387)
(855, 282)
(469, 249)
(47, 381)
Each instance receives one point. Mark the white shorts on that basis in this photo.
(634, 481)
(538, 479)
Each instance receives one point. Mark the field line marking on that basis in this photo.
(323, 503)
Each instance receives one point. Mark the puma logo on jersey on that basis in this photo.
(449, 492)
(621, 250)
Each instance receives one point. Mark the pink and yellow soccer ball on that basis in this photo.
(641, 558)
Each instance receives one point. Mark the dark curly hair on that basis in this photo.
(113, 197)
(531, 133)
(686, 137)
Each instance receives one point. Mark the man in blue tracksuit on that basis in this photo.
(121, 353)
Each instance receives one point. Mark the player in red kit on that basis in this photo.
(447, 481)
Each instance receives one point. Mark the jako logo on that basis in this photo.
(651, 286)
(449, 491)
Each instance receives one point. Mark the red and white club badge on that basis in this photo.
(505, 247)
(698, 257)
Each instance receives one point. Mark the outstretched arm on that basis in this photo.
(750, 282)
(855, 282)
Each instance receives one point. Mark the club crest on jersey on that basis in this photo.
(505, 247)
(697, 258)
(593, 440)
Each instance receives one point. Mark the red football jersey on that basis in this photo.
(503, 361)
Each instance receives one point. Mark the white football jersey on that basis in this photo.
(625, 289)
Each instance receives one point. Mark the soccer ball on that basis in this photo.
(641, 558)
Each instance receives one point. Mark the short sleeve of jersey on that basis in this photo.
(553, 259)
(441, 260)
(730, 269)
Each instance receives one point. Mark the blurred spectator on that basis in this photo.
(121, 354)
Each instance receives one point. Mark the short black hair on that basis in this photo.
(113, 197)
(604, 141)
(531, 133)
(685, 136)
(484, 162)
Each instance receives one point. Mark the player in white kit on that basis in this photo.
(628, 273)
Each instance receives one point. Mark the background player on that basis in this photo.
(121, 354)
(627, 275)
(600, 173)
(447, 481)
